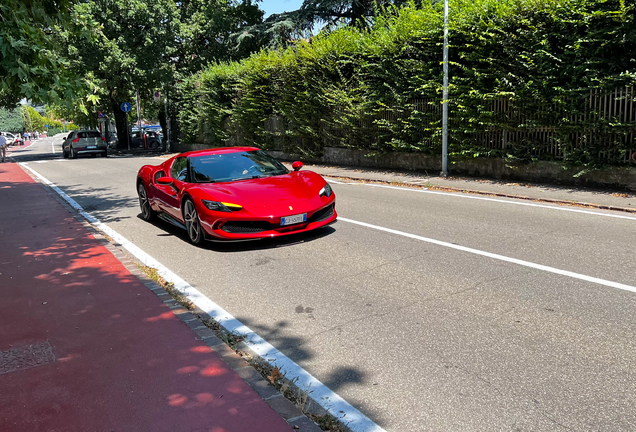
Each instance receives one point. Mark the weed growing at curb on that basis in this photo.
(153, 274)
(231, 339)
(296, 395)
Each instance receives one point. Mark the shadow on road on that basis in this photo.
(296, 348)
(100, 202)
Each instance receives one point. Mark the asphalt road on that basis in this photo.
(418, 336)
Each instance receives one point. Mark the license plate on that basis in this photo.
(91, 147)
(290, 220)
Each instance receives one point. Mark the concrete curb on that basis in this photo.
(487, 193)
(274, 398)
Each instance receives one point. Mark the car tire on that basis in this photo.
(73, 154)
(65, 154)
(147, 213)
(105, 153)
(192, 223)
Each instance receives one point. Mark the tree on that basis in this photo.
(30, 62)
(149, 45)
(10, 120)
(131, 51)
(280, 30)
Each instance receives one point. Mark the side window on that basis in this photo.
(179, 170)
(159, 174)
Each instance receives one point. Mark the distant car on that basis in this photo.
(150, 136)
(234, 193)
(82, 142)
(112, 141)
(11, 139)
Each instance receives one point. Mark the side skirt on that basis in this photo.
(171, 220)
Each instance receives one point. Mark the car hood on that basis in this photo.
(264, 192)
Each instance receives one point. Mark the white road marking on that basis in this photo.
(497, 256)
(462, 195)
(324, 396)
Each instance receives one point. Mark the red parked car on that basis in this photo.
(234, 193)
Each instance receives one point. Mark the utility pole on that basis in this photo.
(141, 135)
(167, 146)
(444, 172)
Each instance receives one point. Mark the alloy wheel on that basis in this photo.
(147, 213)
(193, 225)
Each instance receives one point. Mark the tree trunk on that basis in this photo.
(359, 10)
(120, 123)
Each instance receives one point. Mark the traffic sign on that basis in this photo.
(47, 126)
(125, 107)
(101, 114)
(157, 96)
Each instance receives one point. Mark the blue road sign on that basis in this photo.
(125, 107)
(47, 126)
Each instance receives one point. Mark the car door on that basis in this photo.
(67, 141)
(168, 197)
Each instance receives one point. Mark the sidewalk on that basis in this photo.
(86, 346)
(625, 201)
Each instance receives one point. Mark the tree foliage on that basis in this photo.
(10, 120)
(30, 62)
(148, 45)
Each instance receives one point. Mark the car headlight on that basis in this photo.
(326, 190)
(221, 206)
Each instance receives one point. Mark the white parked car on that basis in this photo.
(11, 139)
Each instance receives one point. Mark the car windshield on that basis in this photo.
(234, 166)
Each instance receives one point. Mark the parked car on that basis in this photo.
(11, 139)
(84, 142)
(151, 138)
(112, 141)
(234, 193)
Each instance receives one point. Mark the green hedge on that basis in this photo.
(517, 67)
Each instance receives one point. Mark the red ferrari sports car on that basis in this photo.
(234, 193)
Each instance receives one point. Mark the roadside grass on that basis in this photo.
(287, 387)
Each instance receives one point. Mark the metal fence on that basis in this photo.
(602, 123)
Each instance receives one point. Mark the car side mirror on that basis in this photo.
(297, 165)
(164, 181)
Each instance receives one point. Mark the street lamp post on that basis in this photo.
(444, 172)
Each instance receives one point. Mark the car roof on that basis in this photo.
(218, 150)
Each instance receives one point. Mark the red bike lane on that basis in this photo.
(85, 346)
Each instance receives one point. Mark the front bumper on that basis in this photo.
(244, 227)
